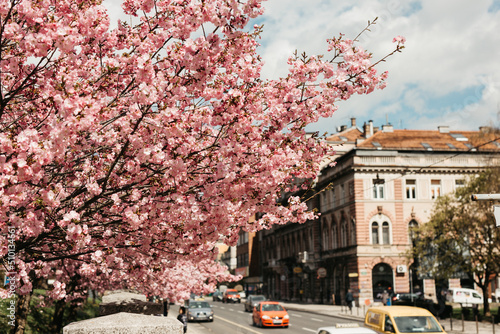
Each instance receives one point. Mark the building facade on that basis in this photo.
(384, 183)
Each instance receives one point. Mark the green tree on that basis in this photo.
(461, 236)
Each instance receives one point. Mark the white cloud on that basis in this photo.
(448, 74)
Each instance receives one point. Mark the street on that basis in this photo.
(232, 318)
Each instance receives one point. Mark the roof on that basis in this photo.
(428, 140)
(349, 135)
(401, 310)
(347, 329)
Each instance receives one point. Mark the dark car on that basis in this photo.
(199, 311)
(252, 301)
(217, 296)
(437, 309)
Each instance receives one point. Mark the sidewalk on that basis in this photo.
(469, 327)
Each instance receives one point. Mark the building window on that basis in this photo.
(412, 235)
(411, 189)
(435, 189)
(311, 241)
(459, 183)
(326, 234)
(375, 239)
(342, 194)
(343, 233)
(385, 233)
(378, 188)
(381, 234)
(334, 236)
(353, 231)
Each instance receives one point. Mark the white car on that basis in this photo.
(345, 328)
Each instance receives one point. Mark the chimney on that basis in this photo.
(485, 129)
(343, 128)
(353, 122)
(366, 130)
(444, 129)
(371, 127)
(387, 128)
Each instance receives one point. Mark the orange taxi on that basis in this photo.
(270, 314)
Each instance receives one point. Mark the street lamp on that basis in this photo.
(490, 197)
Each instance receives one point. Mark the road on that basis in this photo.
(232, 318)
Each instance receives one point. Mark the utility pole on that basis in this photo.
(490, 197)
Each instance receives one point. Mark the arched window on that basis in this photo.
(375, 238)
(411, 231)
(353, 231)
(311, 240)
(386, 240)
(343, 233)
(326, 234)
(335, 236)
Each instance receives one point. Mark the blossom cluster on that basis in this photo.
(126, 154)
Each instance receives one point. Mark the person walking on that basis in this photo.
(349, 299)
(165, 307)
(385, 297)
(182, 317)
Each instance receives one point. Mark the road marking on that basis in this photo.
(237, 325)
(319, 320)
(309, 330)
(231, 309)
(296, 315)
(241, 312)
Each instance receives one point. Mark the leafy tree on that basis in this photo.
(461, 236)
(126, 153)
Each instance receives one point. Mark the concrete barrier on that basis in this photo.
(125, 323)
(123, 301)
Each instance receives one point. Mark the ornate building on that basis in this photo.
(383, 183)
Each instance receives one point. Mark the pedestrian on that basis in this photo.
(182, 317)
(391, 294)
(165, 307)
(385, 297)
(349, 299)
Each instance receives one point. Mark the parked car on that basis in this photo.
(199, 311)
(217, 296)
(345, 328)
(403, 297)
(252, 301)
(270, 314)
(402, 319)
(231, 296)
(496, 296)
(465, 297)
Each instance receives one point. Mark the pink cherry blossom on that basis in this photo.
(127, 153)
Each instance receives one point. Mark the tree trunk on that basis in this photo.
(22, 311)
(486, 303)
(58, 318)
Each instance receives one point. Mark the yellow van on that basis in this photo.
(402, 319)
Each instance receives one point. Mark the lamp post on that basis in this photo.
(490, 197)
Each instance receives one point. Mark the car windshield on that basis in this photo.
(417, 324)
(258, 298)
(232, 292)
(199, 305)
(272, 307)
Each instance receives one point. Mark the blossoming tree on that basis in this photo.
(127, 152)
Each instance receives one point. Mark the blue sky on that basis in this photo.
(448, 74)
